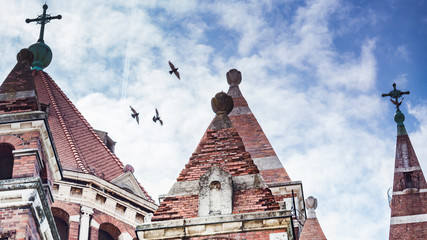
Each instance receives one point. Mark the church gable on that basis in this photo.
(220, 177)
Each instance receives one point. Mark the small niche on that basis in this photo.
(120, 208)
(76, 192)
(100, 199)
(139, 218)
(55, 188)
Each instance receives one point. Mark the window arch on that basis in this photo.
(6, 161)
(61, 219)
(108, 231)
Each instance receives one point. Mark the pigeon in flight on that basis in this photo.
(174, 70)
(156, 117)
(135, 114)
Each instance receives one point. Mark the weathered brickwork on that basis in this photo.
(254, 200)
(26, 166)
(18, 83)
(177, 208)
(275, 175)
(224, 148)
(409, 204)
(255, 235)
(20, 220)
(408, 231)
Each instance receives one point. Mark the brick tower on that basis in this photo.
(409, 199)
(60, 178)
(28, 158)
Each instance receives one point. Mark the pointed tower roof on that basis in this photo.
(219, 162)
(78, 146)
(254, 139)
(409, 199)
(312, 229)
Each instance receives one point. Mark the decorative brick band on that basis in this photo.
(409, 219)
(408, 169)
(268, 163)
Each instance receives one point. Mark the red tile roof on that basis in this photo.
(78, 146)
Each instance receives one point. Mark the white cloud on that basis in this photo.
(316, 104)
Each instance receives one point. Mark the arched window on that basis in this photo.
(61, 218)
(6, 161)
(108, 231)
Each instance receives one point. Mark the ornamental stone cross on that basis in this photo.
(42, 20)
(396, 94)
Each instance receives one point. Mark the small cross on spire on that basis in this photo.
(396, 94)
(42, 20)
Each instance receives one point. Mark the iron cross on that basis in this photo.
(42, 20)
(396, 94)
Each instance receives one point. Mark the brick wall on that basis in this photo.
(20, 220)
(409, 204)
(254, 200)
(408, 231)
(177, 207)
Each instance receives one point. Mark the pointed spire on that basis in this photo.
(253, 137)
(409, 198)
(312, 229)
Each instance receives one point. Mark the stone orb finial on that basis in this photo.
(311, 203)
(234, 77)
(222, 104)
(129, 168)
(25, 55)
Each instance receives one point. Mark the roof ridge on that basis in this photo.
(62, 122)
(90, 128)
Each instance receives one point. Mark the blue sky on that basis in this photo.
(313, 74)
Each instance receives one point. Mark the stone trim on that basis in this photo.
(34, 121)
(203, 226)
(408, 219)
(89, 178)
(244, 182)
(408, 169)
(29, 152)
(29, 192)
(240, 111)
(17, 95)
(422, 190)
(268, 163)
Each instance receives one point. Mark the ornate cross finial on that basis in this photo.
(396, 94)
(42, 20)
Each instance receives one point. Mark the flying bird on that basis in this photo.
(156, 117)
(135, 114)
(174, 70)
